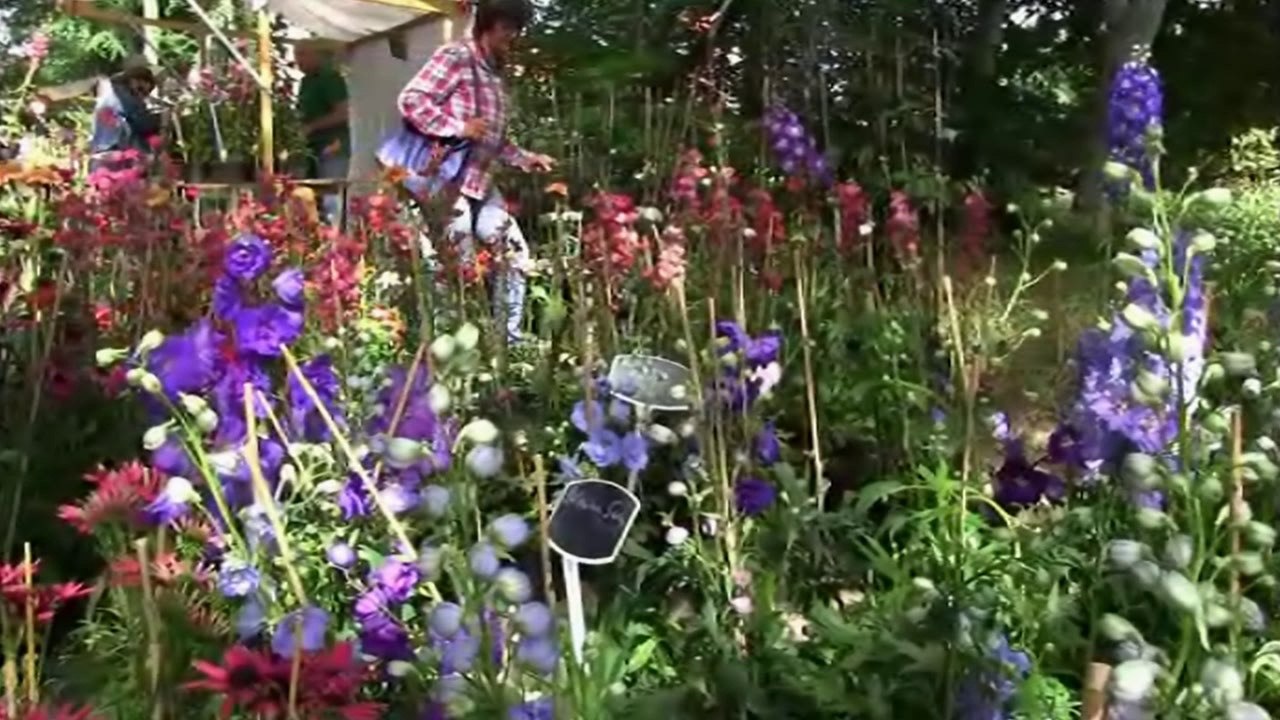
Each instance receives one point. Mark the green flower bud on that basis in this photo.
(1239, 364)
(1178, 551)
(150, 341)
(1133, 680)
(1130, 265)
(1260, 534)
(1217, 616)
(1138, 317)
(207, 420)
(1150, 518)
(1213, 373)
(155, 436)
(1117, 629)
(480, 431)
(439, 398)
(468, 337)
(1222, 682)
(1144, 239)
(1117, 172)
(1124, 554)
(1215, 197)
(1146, 573)
(443, 347)
(1203, 242)
(107, 357)
(1210, 489)
(1179, 592)
(403, 452)
(150, 383)
(1249, 563)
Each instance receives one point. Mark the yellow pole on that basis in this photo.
(266, 72)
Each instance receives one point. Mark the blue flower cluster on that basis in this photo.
(1135, 108)
(795, 149)
(986, 694)
(1106, 421)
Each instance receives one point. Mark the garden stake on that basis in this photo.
(810, 394)
(1237, 515)
(540, 480)
(1096, 677)
(151, 617)
(263, 493)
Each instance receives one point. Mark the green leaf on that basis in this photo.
(642, 654)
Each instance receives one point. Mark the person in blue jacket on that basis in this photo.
(122, 120)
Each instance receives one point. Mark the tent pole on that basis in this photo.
(265, 95)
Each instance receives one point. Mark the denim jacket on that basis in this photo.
(121, 120)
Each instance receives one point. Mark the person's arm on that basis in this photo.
(424, 101)
(516, 156)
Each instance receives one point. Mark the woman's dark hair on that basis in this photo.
(490, 13)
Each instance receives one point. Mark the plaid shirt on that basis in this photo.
(455, 85)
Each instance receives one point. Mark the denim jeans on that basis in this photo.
(332, 166)
(491, 224)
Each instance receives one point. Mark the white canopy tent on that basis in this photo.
(384, 46)
(382, 43)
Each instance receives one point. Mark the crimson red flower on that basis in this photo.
(975, 228)
(46, 599)
(855, 210)
(257, 682)
(118, 495)
(903, 227)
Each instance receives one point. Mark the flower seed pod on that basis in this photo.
(1179, 592)
(1203, 242)
(1150, 518)
(207, 420)
(155, 436)
(150, 341)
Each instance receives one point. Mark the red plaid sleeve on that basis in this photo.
(429, 102)
(515, 156)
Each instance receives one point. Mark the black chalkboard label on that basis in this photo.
(591, 520)
(652, 382)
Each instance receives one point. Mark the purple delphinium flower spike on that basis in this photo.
(1135, 106)
(754, 496)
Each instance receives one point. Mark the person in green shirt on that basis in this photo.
(322, 107)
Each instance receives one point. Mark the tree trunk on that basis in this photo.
(978, 83)
(1127, 24)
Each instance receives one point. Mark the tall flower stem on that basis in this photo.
(33, 681)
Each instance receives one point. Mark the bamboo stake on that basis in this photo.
(267, 141)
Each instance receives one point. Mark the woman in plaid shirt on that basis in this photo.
(459, 94)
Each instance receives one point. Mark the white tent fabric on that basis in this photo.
(375, 78)
(342, 20)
